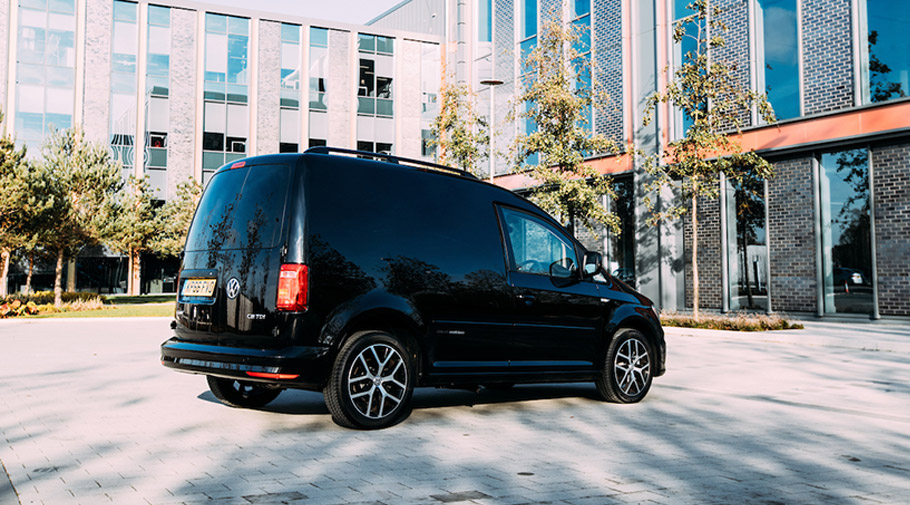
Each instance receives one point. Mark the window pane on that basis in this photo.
(290, 33)
(319, 37)
(888, 51)
(215, 23)
(529, 18)
(582, 7)
(238, 26)
(245, 199)
(781, 52)
(485, 21)
(159, 16)
(366, 43)
(746, 241)
(125, 11)
(536, 246)
(846, 242)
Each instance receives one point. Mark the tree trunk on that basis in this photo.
(746, 269)
(31, 270)
(4, 286)
(134, 276)
(695, 256)
(58, 279)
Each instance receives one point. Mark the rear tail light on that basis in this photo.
(292, 287)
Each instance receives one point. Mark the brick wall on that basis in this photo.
(504, 70)
(735, 51)
(608, 76)
(827, 55)
(709, 255)
(181, 138)
(792, 234)
(891, 173)
(268, 99)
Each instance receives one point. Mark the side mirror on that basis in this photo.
(593, 264)
(562, 272)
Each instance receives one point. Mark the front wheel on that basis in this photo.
(241, 393)
(626, 375)
(371, 382)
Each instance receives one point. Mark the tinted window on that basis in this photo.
(535, 245)
(241, 209)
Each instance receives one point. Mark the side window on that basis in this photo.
(535, 245)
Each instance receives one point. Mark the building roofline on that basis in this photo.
(389, 11)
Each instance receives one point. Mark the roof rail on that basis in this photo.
(398, 160)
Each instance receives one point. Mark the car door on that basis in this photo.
(557, 316)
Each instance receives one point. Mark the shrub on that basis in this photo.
(734, 322)
(17, 308)
(45, 297)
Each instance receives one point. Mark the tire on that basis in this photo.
(626, 376)
(241, 394)
(499, 386)
(371, 383)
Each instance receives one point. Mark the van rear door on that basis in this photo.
(228, 283)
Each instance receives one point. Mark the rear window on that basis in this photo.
(241, 209)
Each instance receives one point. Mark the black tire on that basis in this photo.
(371, 383)
(627, 372)
(243, 394)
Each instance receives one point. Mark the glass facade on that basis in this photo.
(318, 97)
(375, 103)
(226, 117)
(747, 252)
(581, 25)
(885, 52)
(290, 89)
(124, 75)
(778, 55)
(685, 52)
(620, 248)
(45, 75)
(846, 243)
(157, 108)
(528, 32)
(374, 92)
(430, 70)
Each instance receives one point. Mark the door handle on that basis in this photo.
(528, 299)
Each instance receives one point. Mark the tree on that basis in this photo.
(458, 132)
(83, 181)
(131, 227)
(14, 200)
(556, 101)
(709, 95)
(174, 218)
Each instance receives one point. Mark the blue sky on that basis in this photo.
(345, 11)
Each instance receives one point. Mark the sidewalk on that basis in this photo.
(867, 336)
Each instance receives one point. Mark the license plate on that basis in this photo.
(198, 287)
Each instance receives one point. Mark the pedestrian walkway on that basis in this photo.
(861, 335)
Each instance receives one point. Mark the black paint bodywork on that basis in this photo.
(419, 253)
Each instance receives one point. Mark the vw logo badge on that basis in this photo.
(233, 288)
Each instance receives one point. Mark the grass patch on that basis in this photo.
(135, 300)
(733, 322)
(165, 309)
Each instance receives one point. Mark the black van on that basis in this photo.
(364, 278)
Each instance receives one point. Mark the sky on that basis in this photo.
(345, 11)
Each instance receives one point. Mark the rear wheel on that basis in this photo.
(238, 393)
(626, 375)
(371, 382)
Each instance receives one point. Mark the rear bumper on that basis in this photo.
(302, 367)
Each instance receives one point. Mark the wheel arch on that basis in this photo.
(651, 330)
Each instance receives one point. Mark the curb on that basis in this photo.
(834, 336)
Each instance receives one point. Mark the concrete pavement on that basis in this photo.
(88, 415)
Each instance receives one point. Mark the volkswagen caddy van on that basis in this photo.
(363, 276)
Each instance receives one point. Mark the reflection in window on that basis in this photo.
(621, 251)
(885, 52)
(226, 121)
(581, 27)
(45, 59)
(429, 91)
(535, 246)
(747, 244)
(289, 124)
(779, 55)
(124, 56)
(845, 226)
(157, 113)
(319, 57)
(685, 52)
